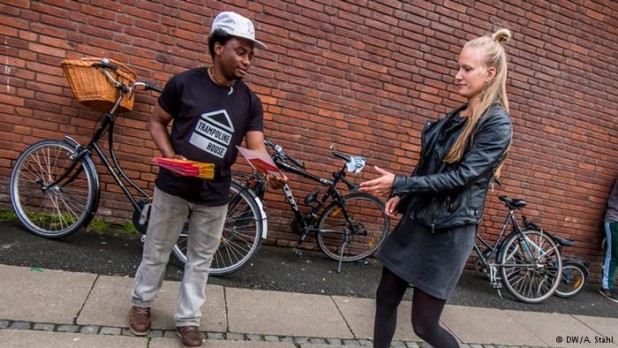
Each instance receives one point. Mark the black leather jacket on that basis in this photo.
(441, 195)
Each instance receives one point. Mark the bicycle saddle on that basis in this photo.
(564, 241)
(354, 164)
(513, 203)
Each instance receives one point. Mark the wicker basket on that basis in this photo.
(93, 89)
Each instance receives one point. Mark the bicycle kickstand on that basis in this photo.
(345, 243)
(296, 250)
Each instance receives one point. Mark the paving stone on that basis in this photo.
(254, 337)
(351, 343)
(301, 340)
(155, 334)
(170, 334)
(90, 329)
(317, 341)
(43, 327)
(20, 325)
(67, 328)
(287, 339)
(334, 341)
(271, 338)
(215, 335)
(110, 331)
(398, 344)
(235, 336)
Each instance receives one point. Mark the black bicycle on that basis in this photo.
(348, 226)
(528, 259)
(54, 185)
(575, 271)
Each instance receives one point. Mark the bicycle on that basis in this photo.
(528, 259)
(55, 187)
(575, 271)
(348, 227)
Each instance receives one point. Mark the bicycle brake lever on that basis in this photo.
(106, 64)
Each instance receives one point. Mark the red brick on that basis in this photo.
(363, 72)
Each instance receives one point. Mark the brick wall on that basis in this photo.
(362, 76)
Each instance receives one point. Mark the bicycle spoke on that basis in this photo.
(360, 226)
(54, 211)
(528, 266)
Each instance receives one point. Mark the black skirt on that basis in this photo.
(431, 262)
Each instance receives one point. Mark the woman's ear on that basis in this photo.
(491, 73)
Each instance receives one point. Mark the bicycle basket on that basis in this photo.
(92, 89)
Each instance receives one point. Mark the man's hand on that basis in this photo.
(380, 186)
(276, 182)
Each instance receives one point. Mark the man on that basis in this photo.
(213, 111)
(610, 261)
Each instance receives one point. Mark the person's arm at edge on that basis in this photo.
(159, 120)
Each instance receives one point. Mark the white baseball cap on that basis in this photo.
(236, 25)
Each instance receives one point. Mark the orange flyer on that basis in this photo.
(187, 167)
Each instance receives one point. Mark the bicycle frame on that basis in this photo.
(113, 167)
(307, 224)
(496, 246)
(530, 255)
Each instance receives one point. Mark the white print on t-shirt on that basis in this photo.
(213, 133)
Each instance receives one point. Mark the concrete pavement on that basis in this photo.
(49, 308)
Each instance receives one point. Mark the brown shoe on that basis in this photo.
(190, 336)
(139, 320)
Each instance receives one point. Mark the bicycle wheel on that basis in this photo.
(56, 211)
(574, 278)
(530, 265)
(241, 234)
(365, 230)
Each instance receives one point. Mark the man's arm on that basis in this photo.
(255, 141)
(158, 130)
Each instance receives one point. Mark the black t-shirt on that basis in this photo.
(208, 123)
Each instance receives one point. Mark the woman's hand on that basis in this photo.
(391, 206)
(381, 186)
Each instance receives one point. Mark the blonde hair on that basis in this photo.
(493, 91)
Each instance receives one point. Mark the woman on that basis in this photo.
(443, 199)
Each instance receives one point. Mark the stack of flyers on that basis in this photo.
(187, 167)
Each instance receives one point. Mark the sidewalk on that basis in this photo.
(48, 308)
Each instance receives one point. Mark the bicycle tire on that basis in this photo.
(367, 214)
(574, 278)
(63, 209)
(530, 277)
(241, 234)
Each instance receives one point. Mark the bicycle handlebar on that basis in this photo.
(106, 65)
(282, 155)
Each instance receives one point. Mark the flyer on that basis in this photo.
(260, 161)
(187, 167)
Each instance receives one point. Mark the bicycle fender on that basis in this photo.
(264, 221)
(577, 262)
(95, 176)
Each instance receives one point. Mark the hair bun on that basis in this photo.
(502, 35)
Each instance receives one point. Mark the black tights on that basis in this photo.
(426, 311)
